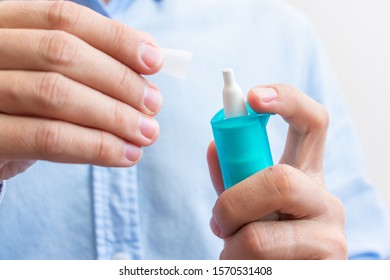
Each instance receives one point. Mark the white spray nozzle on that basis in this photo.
(233, 99)
(176, 62)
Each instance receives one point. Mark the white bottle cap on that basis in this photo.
(233, 99)
(176, 62)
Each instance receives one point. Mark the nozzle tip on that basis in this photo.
(228, 76)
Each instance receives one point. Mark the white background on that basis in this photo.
(356, 35)
(281, 270)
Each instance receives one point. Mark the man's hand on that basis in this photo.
(310, 221)
(71, 88)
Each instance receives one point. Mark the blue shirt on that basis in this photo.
(160, 209)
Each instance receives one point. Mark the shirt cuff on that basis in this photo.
(2, 190)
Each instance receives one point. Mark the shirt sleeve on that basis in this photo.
(92, 4)
(2, 190)
(367, 221)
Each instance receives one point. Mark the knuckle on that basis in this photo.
(224, 209)
(321, 119)
(318, 117)
(119, 33)
(52, 92)
(127, 83)
(104, 152)
(337, 247)
(119, 115)
(63, 15)
(279, 180)
(123, 37)
(125, 120)
(257, 240)
(337, 209)
(58, 48)
(338, 206)
(341, 247)
(48, 139)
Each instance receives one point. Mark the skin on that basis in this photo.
(71, 91)
(309, 220)
(67, 85)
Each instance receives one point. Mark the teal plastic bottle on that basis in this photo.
(241, 140)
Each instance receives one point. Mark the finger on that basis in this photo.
(24, 138)
(135, 49)
(281, 189)
(308, 123)
(214, 168)
(63, 53)
(54, 96)
(287, 240)
(9, 169)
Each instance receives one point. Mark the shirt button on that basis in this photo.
(121, 256)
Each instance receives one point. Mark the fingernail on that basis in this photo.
(133, 153)
(266, 94)
(150, 55)
(152, 99)
(215, 228)
(149, 127)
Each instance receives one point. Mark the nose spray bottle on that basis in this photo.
(240, 135)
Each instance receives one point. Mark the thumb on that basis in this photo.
(307, 119)
(214, 168)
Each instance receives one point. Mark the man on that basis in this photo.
(73, 91)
